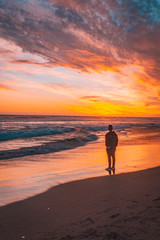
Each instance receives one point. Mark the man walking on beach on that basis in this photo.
(111, 142)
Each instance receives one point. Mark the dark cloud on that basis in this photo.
(86, 35)
(31, 62)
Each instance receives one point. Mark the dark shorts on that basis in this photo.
(110, 151)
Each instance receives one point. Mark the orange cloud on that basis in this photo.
(3, 87)
(91, 98)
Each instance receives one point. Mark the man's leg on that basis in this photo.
(113, 159)
(109, 159)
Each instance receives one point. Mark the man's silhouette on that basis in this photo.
(111, 142)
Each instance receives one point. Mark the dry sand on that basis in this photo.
(124, 206)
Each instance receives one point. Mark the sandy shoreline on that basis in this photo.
(123, 206)
(28, 176)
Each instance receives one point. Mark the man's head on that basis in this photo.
(110, 127)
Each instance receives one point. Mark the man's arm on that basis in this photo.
(116, 140)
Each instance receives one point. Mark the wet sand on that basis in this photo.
(24, 177)
(124, 206)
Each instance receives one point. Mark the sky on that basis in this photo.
(80, 57)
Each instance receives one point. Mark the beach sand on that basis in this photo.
(123, 206)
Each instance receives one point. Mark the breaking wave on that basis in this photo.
(25, 133)
(49, 147)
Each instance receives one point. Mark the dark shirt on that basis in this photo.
(111, 139)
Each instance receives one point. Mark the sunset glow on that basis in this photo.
(80, 57)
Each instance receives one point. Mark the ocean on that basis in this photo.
(38, 152)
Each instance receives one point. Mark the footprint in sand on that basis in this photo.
(156, 199)
(113, 235)
(115, 215)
